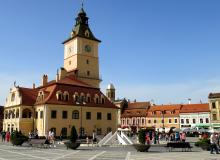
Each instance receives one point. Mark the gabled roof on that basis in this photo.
(195, 108)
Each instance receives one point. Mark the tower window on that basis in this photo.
(87, 61)
(69, 62)
(88, 73)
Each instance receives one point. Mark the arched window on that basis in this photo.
(88, 98)
(82, 97)
(103, 100)
(59, 96)
(96, 99)
(17, 113)
(66, 96)
(12, 97)
(26, 113)
(75, 114)
(76, 97)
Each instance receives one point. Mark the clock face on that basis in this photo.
(88, 48)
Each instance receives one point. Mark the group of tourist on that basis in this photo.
(5, 136)
(33, 134)
(154, 137)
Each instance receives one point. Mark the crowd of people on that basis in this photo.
(5, 136)
(154, 137)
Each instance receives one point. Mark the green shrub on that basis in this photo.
(17, 138)
(73, 135)
(141, 136)
(202, 142)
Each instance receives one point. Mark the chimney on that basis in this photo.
(62, 73)
(44, 80)
(33, 85)
(189, 100)
(57, 76)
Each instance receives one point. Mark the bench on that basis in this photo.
(38, 143)
(184, 145)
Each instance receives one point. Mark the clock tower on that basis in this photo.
(81, 52)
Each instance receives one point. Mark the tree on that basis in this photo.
(141, 136)
(73, 135)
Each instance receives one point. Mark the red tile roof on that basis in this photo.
(195, 108)
(138, 105)
(69, 84)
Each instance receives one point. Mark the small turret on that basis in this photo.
(110, 92)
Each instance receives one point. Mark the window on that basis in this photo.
(13, 97)
(133, 121)
(182, 121)
(194, 121)
(149, 121)
(170, 120)
(187, 121)
(201, 120)
(155, 121)
(75, 114)
(109, 116)
(53, 114)
(97, 100)
(66, 96)
(103, 100)
(207, 120)
(99, 131)
(41, 114)
(64, 114)
(142, 121)
(88, 73)
(162, 121)
(99, 115)
(214, 117)
(88, 99)
(88, 115)
(87, 61)
(213, 105)
(109, 129)
(69, 62)
(175, 120)
(36, 114)
(17, 114)
(64, 132)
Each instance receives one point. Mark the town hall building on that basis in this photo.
(73, 98)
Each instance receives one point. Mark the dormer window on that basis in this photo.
(76, 97)
(87, 33)
(96, 99)
(66, 96)
(102, 99)
(88, 98)
(59, 96)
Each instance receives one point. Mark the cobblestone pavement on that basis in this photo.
(9, 152)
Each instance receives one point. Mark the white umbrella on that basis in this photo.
(177, 130)
(203, 130)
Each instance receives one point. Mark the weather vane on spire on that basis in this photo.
(82, 3)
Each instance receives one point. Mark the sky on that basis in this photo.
(151, 50)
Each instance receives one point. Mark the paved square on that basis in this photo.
(9, 152)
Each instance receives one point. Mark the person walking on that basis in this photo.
(8, 136)
(214, 141)
(3, 136)
(183, 137)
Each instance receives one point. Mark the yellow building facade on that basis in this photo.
(72, 99)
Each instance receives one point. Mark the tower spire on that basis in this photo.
(82, 3)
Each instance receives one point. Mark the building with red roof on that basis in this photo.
(72, 99)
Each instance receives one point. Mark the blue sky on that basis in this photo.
(166, 51)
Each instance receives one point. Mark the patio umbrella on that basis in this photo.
(177, 130)
(203, 130)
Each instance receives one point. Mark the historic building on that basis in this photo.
(163, 117)
(195, 116)
(214, 106)
(134, 115)
(73, 98)
(1, 117)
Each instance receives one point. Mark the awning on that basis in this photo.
(203, 125)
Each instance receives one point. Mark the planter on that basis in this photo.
(141, 147)
(18, 142)
(72, 145)
(205, 147)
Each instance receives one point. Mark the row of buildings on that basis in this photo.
(74, 98)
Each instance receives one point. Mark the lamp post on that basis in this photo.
(163, 120)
